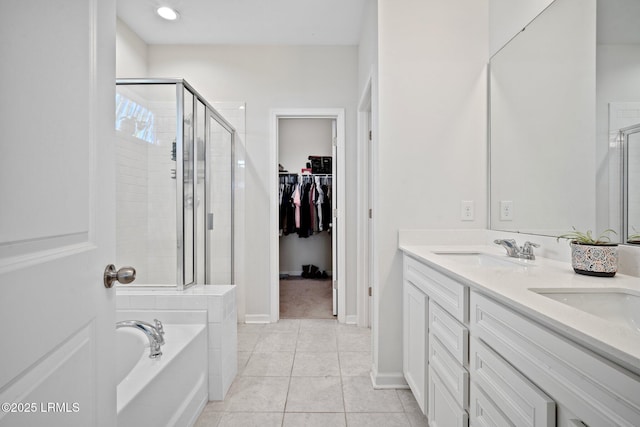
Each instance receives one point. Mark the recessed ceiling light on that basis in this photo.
(167, 13)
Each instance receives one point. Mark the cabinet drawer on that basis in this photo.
(483, 412)
(443, 409)
(454, 377)
(521, 401)
(449, 294)
(601, 392)
(452, 334)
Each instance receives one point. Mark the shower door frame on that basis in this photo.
(623, 136)
(209, 111)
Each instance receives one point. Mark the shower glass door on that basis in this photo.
(146, 196)
(188, 190)
(219, 203)
(174, 183)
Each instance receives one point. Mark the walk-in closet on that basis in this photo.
(306, 231)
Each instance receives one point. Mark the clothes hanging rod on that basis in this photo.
(305, 174)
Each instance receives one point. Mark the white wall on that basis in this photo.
(131, 52)
(297, 140)
(432, 140)
(267, 77)
(508, 17)
(368, 45)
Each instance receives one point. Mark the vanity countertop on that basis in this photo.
(511, 286)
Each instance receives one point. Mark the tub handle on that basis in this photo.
(160, 329)
(125, 275)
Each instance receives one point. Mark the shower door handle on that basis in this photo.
(210, 221)
(125, 275)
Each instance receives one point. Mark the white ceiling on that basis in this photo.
(291, 22)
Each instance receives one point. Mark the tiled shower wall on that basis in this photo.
(131, 204)
(162, 206)
(146, 199)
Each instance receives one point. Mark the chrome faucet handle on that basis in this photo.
(527, 249)
(160, 330)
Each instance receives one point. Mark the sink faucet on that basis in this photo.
(515, 251)
(155, 334)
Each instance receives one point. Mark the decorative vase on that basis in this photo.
(594, 260)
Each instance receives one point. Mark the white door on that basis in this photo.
(369, 249)
(334, 221)
(57, 212)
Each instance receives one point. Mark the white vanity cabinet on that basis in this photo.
(436, 343)
(598, 391)
(474, 360)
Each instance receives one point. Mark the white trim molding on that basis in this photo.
(339, 180)
(257, 318)
(387, 380)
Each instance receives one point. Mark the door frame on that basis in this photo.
(275, 115)
(365, 250)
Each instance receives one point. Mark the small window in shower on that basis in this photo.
(134, 119)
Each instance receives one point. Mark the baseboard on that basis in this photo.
(292, 273)
(351, 319)
(387, 380)
(299, 273)
(257, 318)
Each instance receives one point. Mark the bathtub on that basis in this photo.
(168, 391)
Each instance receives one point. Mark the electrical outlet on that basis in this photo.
(506, 210)
(466, 210)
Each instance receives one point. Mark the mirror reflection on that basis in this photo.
(630, 139)
(561, 91)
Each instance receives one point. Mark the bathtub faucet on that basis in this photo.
(155, 334)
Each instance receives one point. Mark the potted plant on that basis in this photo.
(634, 238)
(593, 256)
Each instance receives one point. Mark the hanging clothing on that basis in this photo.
(319, 202)
(297, 201)
(304, 204)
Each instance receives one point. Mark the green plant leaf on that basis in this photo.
(587, 237)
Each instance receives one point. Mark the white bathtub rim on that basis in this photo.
(177, 336)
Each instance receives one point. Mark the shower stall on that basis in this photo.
(174, 185)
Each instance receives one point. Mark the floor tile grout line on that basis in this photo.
(293, 362)
(299, 331)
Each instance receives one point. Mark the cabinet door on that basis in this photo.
(415, 318)
(443, 409)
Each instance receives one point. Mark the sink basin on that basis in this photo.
(619, 306)
(485, 260)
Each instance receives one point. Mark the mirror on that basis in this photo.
(630, 140)
(560, 91)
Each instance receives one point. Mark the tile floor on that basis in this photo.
(306, 298)
(308, 372)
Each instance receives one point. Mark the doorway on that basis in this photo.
(307, 259)
(305, 169)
